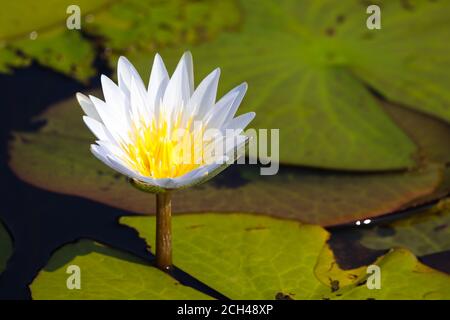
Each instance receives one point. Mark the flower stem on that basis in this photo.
(163, 231)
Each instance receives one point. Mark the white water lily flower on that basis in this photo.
(137, 128)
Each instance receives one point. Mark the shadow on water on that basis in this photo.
(40, 222)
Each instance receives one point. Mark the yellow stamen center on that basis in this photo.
(160, 151)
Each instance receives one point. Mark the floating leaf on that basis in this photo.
(136, 24)
(5, 247)
(312, 196)
(31, 30)
(50, 49)
(254, 257)
(432, 136)
(403, 277)
(242, 256)
(19, 18)
(38, 31)
(406, 60)
(59, 160)
(423, 233)
(9, 59)
(301, 58)
(312, 48)
(106, 273)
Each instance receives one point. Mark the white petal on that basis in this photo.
(240, 90)
(168, 183)
(126, 71)
(187, 58)
(201, 174)
(115, 98)
(140, 105)
(116, 126)
(100, 154)
(158, 80)
(241, 122)
(204, 96)
(87, 106)
(226, 106)
(119, 166)
(113, 149)
(215, 118)
(177, 93)
(112, 161)
(97, 128)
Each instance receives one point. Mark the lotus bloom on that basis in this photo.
(166, 136)
(148, 134)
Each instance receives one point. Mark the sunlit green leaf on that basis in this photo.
(105, 273)
(37, 30)
(254, 257)
(50, 49)
(19, 18)
(9, 59)
(403, 277)
(142, 25)
(243, 257)
(31, 30)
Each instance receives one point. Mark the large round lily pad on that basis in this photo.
(308, 64)
(105, 273)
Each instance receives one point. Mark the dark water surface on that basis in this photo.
(40, 222)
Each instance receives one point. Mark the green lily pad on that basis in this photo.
(431, 136)
(305, 63)
(59, 160)
(310, 196)
(395, 62)
(19, 18)
(30, 30)
(424, 233)
(317, 50)
(314, 109)
(9, 59)
(50, 49)
(244, 256)
(403, 277)
(38, 31)
(254, 257)
(105, 273)
(134, 25)
(6, 247)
